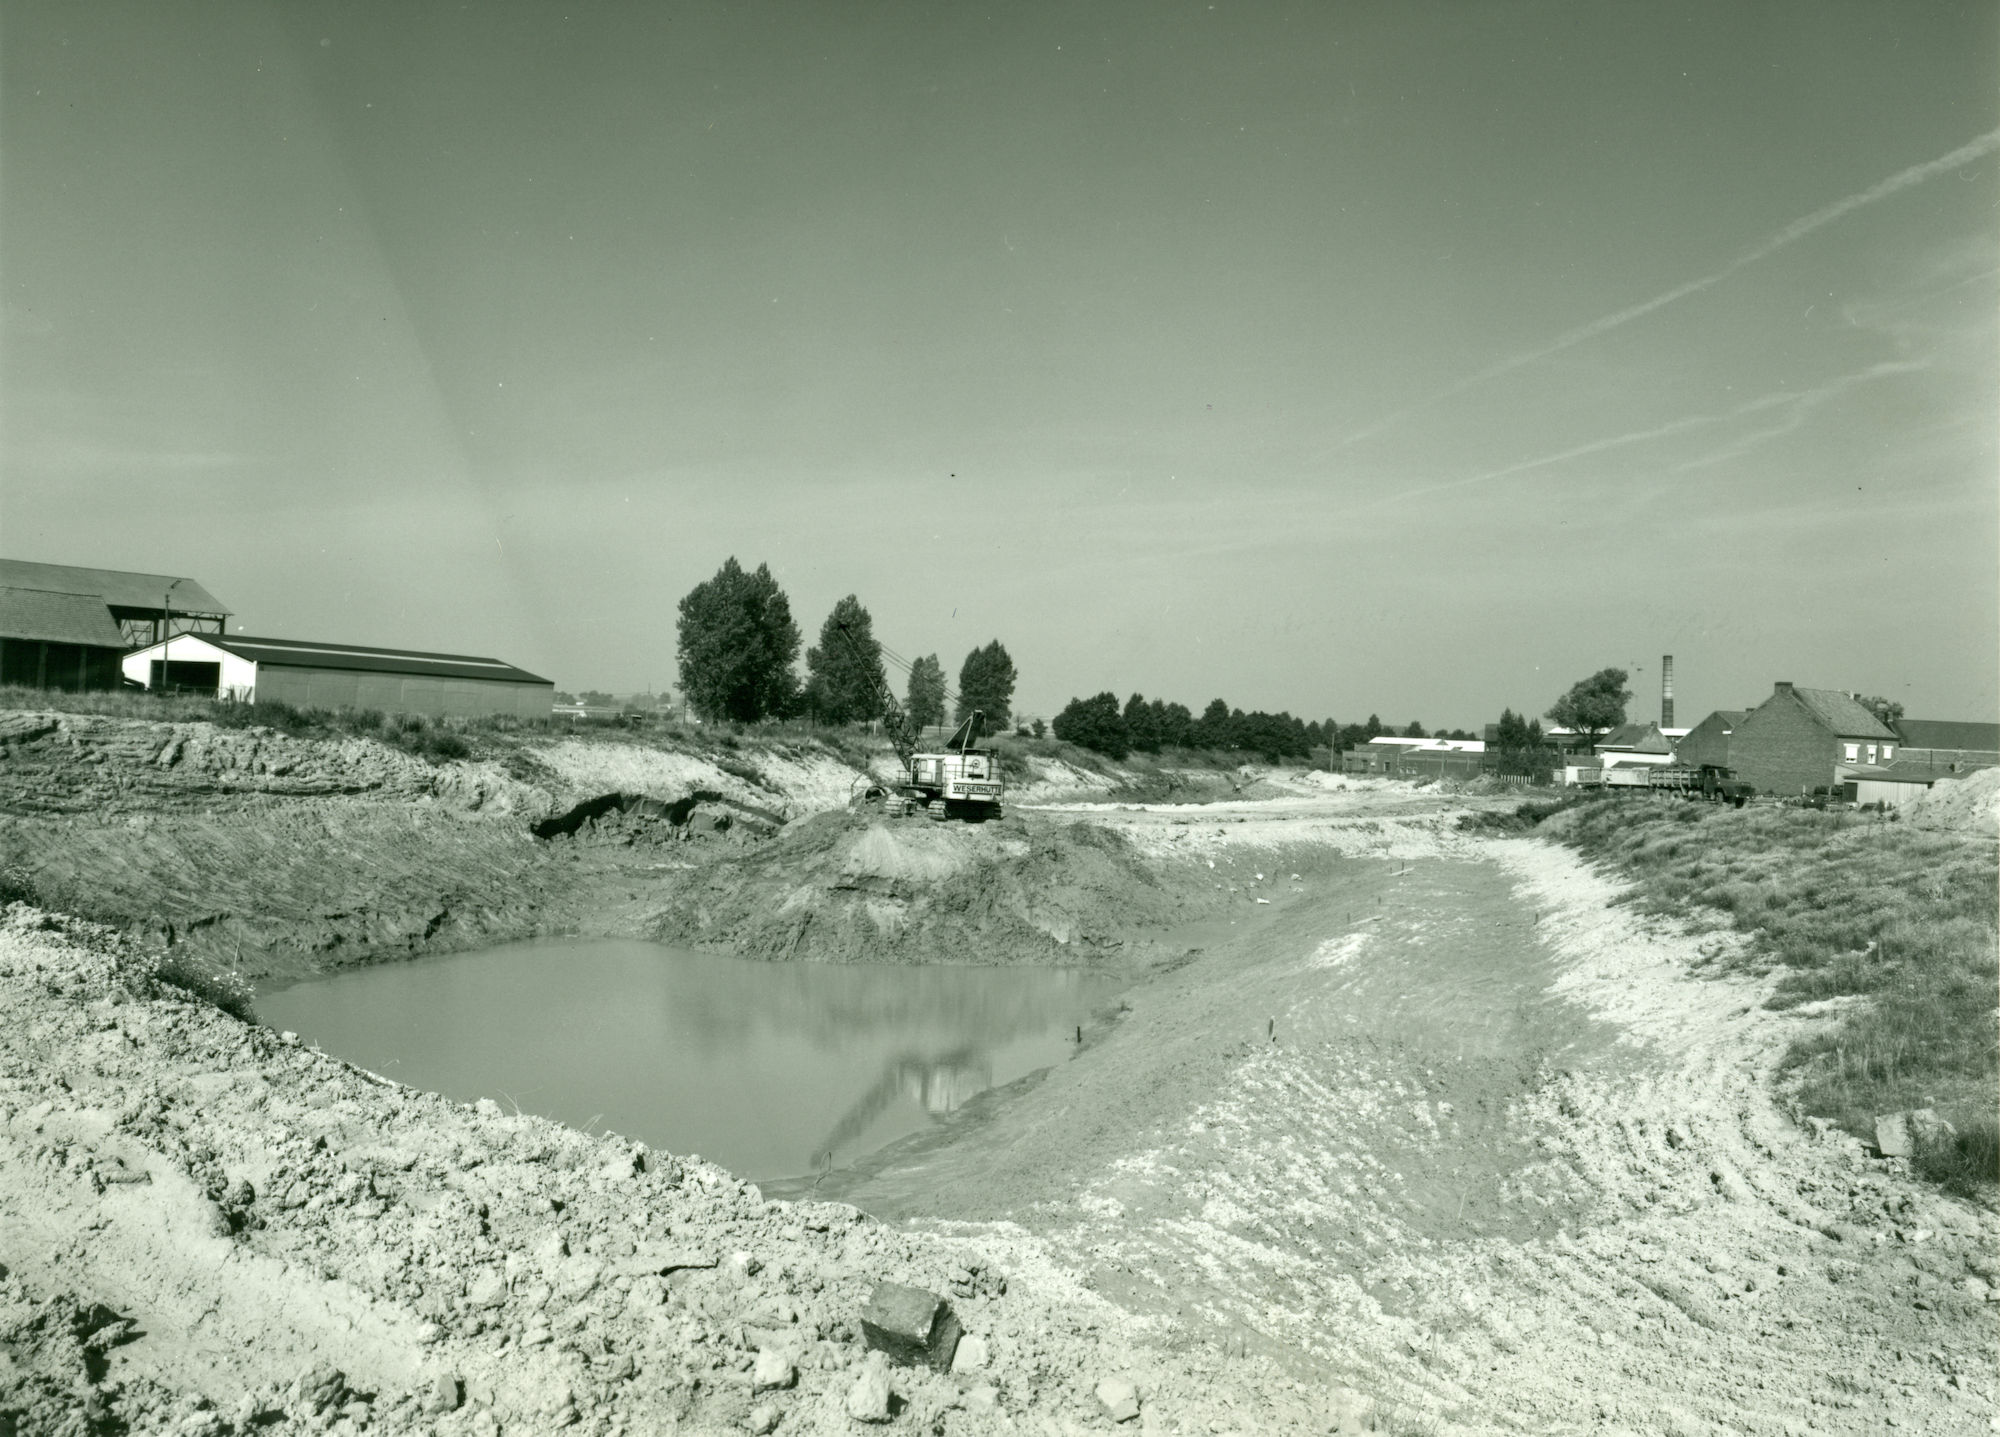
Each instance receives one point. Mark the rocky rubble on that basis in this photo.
(213, 1230)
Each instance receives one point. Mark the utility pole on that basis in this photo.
(166, 622)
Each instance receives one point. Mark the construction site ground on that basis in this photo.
(1395, 1128)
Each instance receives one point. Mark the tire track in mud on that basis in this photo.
(1507, 1166)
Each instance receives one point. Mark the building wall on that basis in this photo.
(401, 693)
(1889, 791)
(48, 664)
(239, 675)
(1706, 742)
(1781, 748)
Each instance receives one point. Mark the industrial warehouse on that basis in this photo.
(78, 629)
(335, 676)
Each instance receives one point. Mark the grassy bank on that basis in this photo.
(1897, 920)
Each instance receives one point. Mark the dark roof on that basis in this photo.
(118, 588)
(1841, 714)
(1636, 738)
(1730, 718)
(1947, 733)
(302, 654)
(58, 618)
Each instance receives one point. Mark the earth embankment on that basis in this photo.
(253, 852)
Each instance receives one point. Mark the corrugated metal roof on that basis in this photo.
(1839, 712)
(1948, 733)
(301, 654)
(59, 618)
(118, 588)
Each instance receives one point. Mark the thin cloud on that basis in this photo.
(1791, 234)
(1799, 407)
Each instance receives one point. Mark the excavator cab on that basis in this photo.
(961, 780)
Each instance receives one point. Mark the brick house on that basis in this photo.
(1708, 741)
(1796, 739)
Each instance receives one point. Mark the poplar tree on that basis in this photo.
(737, 646)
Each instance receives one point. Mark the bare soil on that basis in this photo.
(1399, 1130)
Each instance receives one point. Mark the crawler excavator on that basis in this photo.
(959, 779)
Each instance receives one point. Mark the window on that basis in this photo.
(1871, 753)
(1888, 752)
(1853, 751)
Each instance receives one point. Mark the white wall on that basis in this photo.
(239, 676)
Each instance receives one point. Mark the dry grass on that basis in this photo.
(1846, 906)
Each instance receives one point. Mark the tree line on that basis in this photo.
(739, 651)
(1144, 725)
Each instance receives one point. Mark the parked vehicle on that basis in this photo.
(1710, 782)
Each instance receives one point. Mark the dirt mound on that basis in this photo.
(853, 886)
(88, 763)
(799, 781)
(1961, 805)
(634, 818)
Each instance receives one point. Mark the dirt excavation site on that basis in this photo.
(1390, 1126)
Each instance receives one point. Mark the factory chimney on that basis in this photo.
(1667, 691)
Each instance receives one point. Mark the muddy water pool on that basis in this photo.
(773, 1069)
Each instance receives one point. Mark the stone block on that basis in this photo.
(910, 1326)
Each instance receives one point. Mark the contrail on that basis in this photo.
(1792, 233)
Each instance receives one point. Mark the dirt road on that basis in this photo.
(1440, 1122)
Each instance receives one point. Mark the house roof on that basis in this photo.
(1945, 733)
(1840, 713)
(1635, 738)
(57, 617)
(118, 588)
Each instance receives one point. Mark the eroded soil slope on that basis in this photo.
(1447, 1125)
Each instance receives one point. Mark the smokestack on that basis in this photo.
(1667, 691)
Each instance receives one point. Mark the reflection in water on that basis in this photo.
(772, 1069)
(937, 1085)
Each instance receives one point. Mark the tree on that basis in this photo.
(1140, 729)
(1040, 728)
(986, 682)
(1415, 730)
(926, 701)
(563, 696)
(1095, 724)
(1518, 747)
(844, 680)
(1211, 730)
(737, 646)
(596, 699)
(1593, 706)
(1887, 710)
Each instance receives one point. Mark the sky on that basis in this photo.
(1406, 358)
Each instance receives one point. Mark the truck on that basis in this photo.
(1709, 781)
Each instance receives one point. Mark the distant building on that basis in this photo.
(1948, 745)
(1891, 785)
(1708, 741)
(1390, 756)
(1635, 743)
(333, 676)
(1797, 740)
(63, 627)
